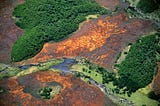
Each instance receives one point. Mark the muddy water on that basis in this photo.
(65, 66)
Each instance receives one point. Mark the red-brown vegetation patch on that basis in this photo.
(156, 82)
(74, 93)
(99, 40)
(111, 4)
(9, 32)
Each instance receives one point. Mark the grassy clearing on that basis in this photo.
(91, 17)
(7, 71)
(123, 55)
(40, 67)
(91, 73)
(139, 98)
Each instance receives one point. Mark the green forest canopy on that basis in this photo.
(139, 67)
(49, 20)
(148, 5)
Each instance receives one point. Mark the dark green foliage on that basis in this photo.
(79, 74)
(137, 70)
(45, 92)
(152, 95)
(116, 90)
(49, 20)
(148, 5)
(2, 91)
(106, 75)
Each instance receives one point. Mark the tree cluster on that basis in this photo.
(148, 5)
(49, 20)
(140, 65)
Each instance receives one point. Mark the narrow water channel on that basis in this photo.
(64, 66)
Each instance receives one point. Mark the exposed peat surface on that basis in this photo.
(9, 32)
(99, 40)
(74, 92)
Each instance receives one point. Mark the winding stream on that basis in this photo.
(65, 65)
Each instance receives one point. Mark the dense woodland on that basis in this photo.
(49, 20)
(148, 5)
(140, 65)
(138, 68)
